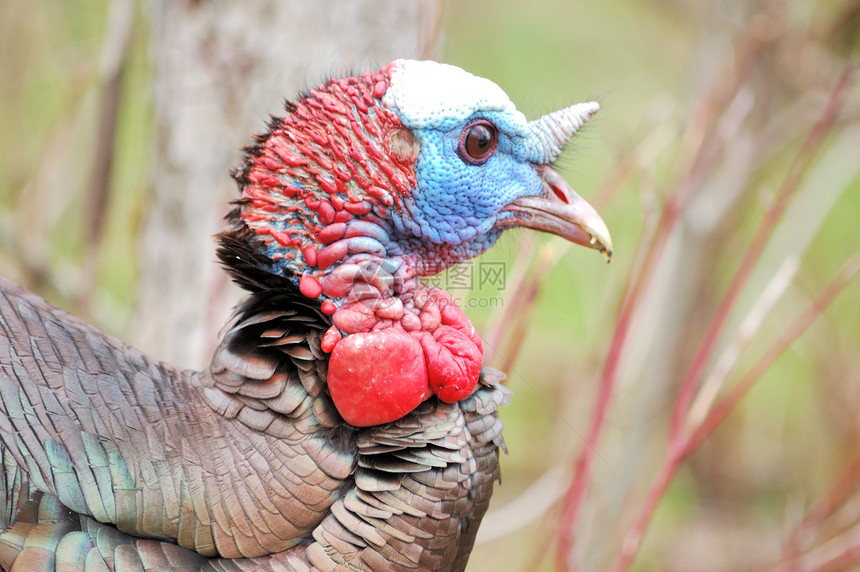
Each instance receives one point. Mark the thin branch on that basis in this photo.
(651, 252)
(652, 245)
(507, 312)
(633, 539)
(801, 324)
(546, 259)
(750, 325)
(841, 552)
(700, 149)
(796, 171)
(675, 455)
(634, 289)
(680, 445)
(805, 531)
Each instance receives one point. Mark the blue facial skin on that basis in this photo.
(456, 204)
(452, 213)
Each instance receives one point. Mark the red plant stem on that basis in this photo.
(634, 538)
(675, 455)
(842, 561)
(700, 158)
(680, 446)
(546, 259)
(801, 324)
(847, 555)
(641, 276)
(790, 183)
(531, 271)
(630, 304)
(804, 532)
(623, 170)
(826, 506)
(508, 313)
(521, 326)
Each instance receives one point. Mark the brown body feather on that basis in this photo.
(115, 461)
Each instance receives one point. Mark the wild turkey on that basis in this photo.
(345, 422)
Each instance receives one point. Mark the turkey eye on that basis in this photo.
(478, 142)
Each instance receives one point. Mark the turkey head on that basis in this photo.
(369, 182)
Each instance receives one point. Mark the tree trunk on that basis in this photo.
(220, 69)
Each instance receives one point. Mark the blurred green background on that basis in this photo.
(649, 63)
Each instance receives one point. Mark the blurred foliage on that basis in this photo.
(50, 76)
(783, 448)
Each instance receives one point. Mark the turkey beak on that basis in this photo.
(560, 211)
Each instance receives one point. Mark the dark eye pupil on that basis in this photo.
(479, 142)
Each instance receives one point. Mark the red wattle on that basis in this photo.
(377, 377)
(380, 375)
(453, 362)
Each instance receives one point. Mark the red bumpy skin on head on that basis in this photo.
(335, 199)
(314, 195)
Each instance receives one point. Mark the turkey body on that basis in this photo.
(345, 421)
(115, 461)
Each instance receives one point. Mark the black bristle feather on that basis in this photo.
(238, 246)
(240, 174)
(277, 121)
(247, 266)
(233, 217)
(274, 300)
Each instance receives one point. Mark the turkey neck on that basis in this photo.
(279, 454)
(320, 192)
